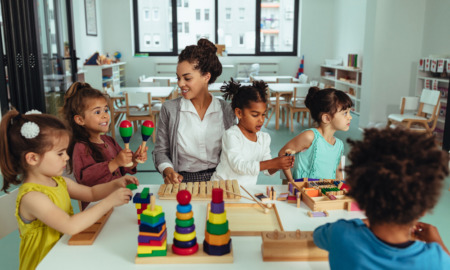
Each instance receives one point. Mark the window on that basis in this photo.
(228, 14)
(156, 14)
(241, 13)
(146, 15)
(246, 27)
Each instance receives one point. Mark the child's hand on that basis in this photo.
(426, 232)
(140, 156)
(124, 157)
(119, 197)
(126, 179)
(284, 162)
(172, 177)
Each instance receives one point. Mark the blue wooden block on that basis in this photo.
(160, 221)
(185, 244)
(216, 250)
(146, 228)
(184, 208)
(137, 198)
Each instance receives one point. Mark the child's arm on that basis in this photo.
(97, 192)
(297, 144)
(272, 165)
(428, 233)
(37, 205)
(339, 175)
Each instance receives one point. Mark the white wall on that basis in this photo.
(436, 38)
(86, 45)
(393, 41)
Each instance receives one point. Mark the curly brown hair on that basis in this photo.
(395, 175)
(203, 57)
(241, 96)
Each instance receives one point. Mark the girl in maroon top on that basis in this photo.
(95, 157)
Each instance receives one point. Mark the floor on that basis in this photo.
(9, 245)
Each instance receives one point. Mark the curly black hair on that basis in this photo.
(203, 56)
(395, 175)
(241, 96)
(327, 101)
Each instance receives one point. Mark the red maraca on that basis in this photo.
(126, 130)
(146, 130)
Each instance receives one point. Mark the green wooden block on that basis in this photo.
(144, 193)
(154, 253)
(132, 186)
(150, 219)
(216, 229)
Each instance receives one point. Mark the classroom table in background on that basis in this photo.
(161, 93)
(274, 79)
(282, 89)
(116, 245)
(172, 80)
(215, 87)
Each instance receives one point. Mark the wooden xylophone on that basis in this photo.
(201, 190)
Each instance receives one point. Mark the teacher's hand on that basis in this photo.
(172, 177)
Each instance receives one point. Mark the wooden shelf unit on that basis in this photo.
(345, 79)
(106, 76)
(443, 86)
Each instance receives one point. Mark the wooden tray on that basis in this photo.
(291, 246)
(199, 257)
(248, 219)
(200, 191)
(88, 236)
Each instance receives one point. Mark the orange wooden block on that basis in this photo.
(88, 236)
(217, 240)
(312, 192)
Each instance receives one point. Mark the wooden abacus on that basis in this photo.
(291, 246)
(201, 191)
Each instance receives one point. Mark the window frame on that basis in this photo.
(174, 51)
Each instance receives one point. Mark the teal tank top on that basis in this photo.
(320, 160)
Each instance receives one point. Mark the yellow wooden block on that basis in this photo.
(217, 218)
(184, 237)
(150, 213)
(138, 205)
(149, 249)
(185, 216)
(217, 240)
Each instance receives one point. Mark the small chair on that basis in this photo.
(162, 82)
(298, 105)
(271, 103)
(425, 119)
(137, 98)
(141, 78)
(8, 222)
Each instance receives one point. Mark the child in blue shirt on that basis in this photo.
(318, 152)
(396, 177)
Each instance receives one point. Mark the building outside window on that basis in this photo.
(206, 14)
(186, 27)
(198, 14)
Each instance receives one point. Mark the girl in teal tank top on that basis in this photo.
(318, 152)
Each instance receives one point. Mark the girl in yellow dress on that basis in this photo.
(33, 152)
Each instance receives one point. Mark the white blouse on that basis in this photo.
(199, 141)
(240, 157)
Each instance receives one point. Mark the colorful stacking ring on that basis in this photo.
(217, 208)
(184, 208)
(217, 240)
(185, 216)
(217, 218)
(185, 251)
(217, 229)
(184, 237)
(185, 244)
(184, 230)
(184, 223)
(216, 250)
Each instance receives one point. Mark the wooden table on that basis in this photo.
(280, 89)
(160, 93)
(116, 245)
(173, 80)
(273, 79)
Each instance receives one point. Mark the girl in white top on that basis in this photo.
(245, 148)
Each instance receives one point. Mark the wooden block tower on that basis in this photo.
(217, 235)
(141, 200)
(184, 237)
(152, 239)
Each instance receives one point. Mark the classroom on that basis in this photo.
(391, 59)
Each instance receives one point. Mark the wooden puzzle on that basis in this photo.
(247, 219)
(201, 191)
(291, 246)
(322, 194)
(88, 236)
